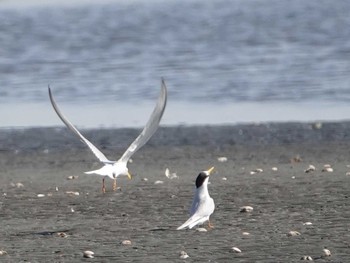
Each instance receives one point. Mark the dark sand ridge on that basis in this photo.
(148, 214)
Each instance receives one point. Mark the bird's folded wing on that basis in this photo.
(71, 127)
(151, 125)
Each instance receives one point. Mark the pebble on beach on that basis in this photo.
(201, 229)
(327, 168)
(309, 258)
(293, 233)
(246, 209)
(2, 252)
(307, 224)
(274, 169)
(126, 242)
(310, 169)
(222, 159)
(71, 193)
(170, 175)
(88, 254)
(326, 253)
(158, 182)
(40, 195)
(62, 234)
(236, 250)
(72, 177)
(184, 255)
(18, 185)
(257, 170)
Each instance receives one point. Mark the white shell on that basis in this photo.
(2, 252)
(307, 224)
(19, 185)
(274, 169)
(327, 168)
(311, 168)
(72, 177)
(158, 182)
(184, 255)
(236, 250)
(306, 258)
(72, 193)
(293, 233)
(257, 170)
(126, 242)
(62, 234)
(88, 254)
(246, 209)
(222, 159)
(40, 195)
(327, 252)
(201, 229)
(170, 175)
(245, 233)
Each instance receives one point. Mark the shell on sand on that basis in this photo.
(293, 233)
(126, 242)
(246, 209)
(309, 258)
(236, 250)
(326, 253)
(311, 168)
(88, 254)
(184, 255)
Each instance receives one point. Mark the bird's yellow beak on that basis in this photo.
(129, 175)
(210, 170)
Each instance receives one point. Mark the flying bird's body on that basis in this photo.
(113, 169)
(203, 205)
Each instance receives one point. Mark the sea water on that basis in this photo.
(224, 61)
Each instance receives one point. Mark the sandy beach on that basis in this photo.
(47, 217)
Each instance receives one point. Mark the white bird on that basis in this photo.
(203, 205)
(113, 169)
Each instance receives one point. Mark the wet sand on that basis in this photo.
(39, 161)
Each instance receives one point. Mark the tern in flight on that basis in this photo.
(113, 169)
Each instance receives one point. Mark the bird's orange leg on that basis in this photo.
(103, 185)
(115, 184)
(210, 226)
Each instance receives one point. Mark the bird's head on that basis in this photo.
(203, 177)
(120, 168)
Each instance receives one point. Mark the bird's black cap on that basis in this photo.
(201, 178)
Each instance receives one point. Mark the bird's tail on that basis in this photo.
(92, 172)
(191, 222)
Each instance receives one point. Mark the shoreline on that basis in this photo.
(39, 161)
(277, 133)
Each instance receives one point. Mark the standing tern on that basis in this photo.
(203, 205)
(113, 169)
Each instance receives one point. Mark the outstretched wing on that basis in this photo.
(71, 127)
(151, 125)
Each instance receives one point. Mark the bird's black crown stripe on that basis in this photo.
(200, 179)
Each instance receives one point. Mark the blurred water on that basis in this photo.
(227, 58)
